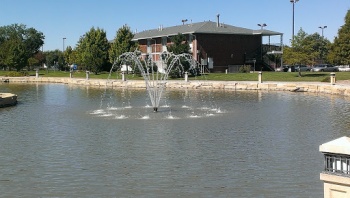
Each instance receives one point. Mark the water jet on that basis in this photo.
(156, 73)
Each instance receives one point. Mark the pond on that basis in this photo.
(76, 141)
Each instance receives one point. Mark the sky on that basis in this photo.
(71, 19)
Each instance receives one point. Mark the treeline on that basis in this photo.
(311, 49)
(20, 49)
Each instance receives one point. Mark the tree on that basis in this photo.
(179, 44)
(92, 50)
(70, 55)
(306, 49)
(40, 57)
(54, 58)
(122, 43)
(17, 44)
(340, 49)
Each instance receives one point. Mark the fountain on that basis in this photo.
(176, 104)
(156, 74)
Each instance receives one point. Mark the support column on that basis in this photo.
(332, 78)
(87, 75)
(335, 175)
(186, 76)
(260, 77)
(123, 76)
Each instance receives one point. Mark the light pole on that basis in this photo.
(322, 28)
(254, 61)
(64, 38)
(262, 25)
(293, 2)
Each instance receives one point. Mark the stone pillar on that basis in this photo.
(37, 73)
(87, 75)
(123, 76)
(332, 78)
(260, 77)
(336, 172)
(186, 76)
(71, 74)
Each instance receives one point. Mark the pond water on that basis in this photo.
(71, 141)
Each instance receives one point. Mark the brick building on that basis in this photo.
(216, 46)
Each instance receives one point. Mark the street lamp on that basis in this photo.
(293, 2)
(64, 38)
(262, 25)
(322, 28)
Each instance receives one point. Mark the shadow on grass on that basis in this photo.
(314, 75)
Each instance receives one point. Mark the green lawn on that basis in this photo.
(267, 76)
(279, 76)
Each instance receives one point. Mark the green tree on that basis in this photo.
(40, 57)
(32, 62)
(92, 50)
(54, 59)
(122, 43)
(17, 44)
(306, 49)
(340, 49)
(179, 44)
(70, 56)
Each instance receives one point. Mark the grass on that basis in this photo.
(266, 76)
(276, 76)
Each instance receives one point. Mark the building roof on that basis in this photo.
(338, 146)
(207, 27)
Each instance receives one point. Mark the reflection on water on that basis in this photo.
(68, 141)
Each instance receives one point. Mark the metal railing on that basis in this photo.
(337, 164)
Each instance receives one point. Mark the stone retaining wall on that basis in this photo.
(314, 87)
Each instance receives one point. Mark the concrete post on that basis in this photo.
(260, 77)
(37, 73)
(336, 170)
(186, 76)
(87, 75)
(332, 78)
(123, 76)
(226, 71)
(71, 74)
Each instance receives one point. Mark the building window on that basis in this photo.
(337, 164)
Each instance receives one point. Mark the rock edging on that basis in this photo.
(314, 87)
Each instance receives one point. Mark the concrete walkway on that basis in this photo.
(339, 88)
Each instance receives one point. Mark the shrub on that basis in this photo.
(17, 74)
(327, 79)
(245, 69)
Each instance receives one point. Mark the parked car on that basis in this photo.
(324, 68)
(284, 68)
(303, 68)
(343, 67)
